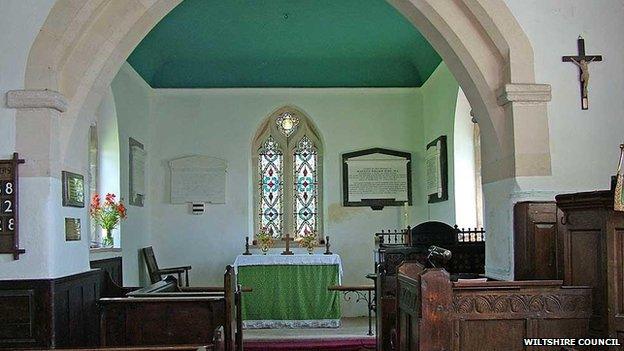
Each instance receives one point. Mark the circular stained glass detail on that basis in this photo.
(287, 123)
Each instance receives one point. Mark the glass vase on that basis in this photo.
(107, 241)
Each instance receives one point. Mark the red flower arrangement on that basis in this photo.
(107, 215)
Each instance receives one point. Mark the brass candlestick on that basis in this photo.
(247, 246)
(327, 245)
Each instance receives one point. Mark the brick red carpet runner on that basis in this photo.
(342, 344)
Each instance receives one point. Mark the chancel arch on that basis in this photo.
(82, 45)
(287, 166)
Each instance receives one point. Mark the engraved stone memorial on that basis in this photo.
(198, 179)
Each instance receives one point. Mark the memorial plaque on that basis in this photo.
(198, 179)
(73, 190)
(136, 186)
(377, 178)
(9, 233)
(436, 167)
(72, 229)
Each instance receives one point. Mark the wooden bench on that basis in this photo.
(164, 314)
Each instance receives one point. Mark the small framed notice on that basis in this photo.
(376, 178)
(436, 166)
(73, 229)
(73, 189)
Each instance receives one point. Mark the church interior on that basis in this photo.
(311, 175)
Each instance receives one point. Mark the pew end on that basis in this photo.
(435, 313)
(163, 314)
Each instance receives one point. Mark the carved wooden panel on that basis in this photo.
(48, 313)
(112, 266)
(616, 280)
(569, 304)
(585, 262)
(17, 315)
(76, 317)
(537, 252)
(25, 315)
(136, 323)
(561, 328)
(486, 316)
(473, 335)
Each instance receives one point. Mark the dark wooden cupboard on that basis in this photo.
(537, 248)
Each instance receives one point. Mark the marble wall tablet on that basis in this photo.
(198, 179)
(376, 177)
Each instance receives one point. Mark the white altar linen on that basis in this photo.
(295, 260)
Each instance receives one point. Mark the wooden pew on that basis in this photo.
(437, 314)
(467, 246)
(163, 314)
(218, 344)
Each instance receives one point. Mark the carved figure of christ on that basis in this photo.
(582, 62)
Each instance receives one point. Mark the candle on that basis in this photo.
(405, 214)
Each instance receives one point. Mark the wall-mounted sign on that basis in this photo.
(73, 190)
(73, 229)
(436, 166)
(376, 178)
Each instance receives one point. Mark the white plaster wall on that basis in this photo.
(584, 145)
(464, 162)
(222, 122)
(132, 105)
(20, 21)
(108, 150)
(19, 25)
(439, 100)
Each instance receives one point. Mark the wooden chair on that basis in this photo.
(156, 273)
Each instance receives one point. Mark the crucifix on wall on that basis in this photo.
(582, 61)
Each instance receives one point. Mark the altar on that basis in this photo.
(290, 291)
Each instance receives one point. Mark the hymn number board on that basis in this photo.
(9, 239)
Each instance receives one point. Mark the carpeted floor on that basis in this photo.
(341, 344)
(351, 336)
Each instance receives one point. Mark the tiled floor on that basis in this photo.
(351, 327)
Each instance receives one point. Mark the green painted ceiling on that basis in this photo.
(284, 43)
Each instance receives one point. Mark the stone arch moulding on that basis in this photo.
(82, 45)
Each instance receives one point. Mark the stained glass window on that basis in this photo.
(305, 194)
(287, 158)
(270, 165)
(287, 123)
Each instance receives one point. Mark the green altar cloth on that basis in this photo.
(290, 293)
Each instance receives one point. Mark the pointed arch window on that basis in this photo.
(271, 160)
(305, 193)
(287, 156)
